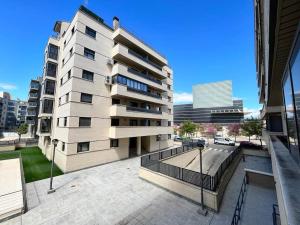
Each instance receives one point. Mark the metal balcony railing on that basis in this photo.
(146, 76)
(138, 109)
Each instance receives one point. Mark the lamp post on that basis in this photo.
(202, 210)
(51, 190)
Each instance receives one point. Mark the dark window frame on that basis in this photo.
(85, 122)
(114, 143)
(86, 75)
(80, 145)
(90, 32)
(89, 53)
(86, 95)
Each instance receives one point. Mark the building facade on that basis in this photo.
(33, 105)
(220, 115)
(106, 95)
(13, 112)
(212, 103)
(277, 25)
(212, 95)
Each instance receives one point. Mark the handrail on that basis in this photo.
(138, 109)
(238, 208)
(131, 70)
(143, 92)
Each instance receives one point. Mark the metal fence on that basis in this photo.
(153, 162)
(238, 208)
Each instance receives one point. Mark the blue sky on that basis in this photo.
(204, 41)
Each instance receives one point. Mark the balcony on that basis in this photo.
(133, 131)
(124, 36)
(122, 53)
(31, 113)
(45, 127)
(123, 90)
(146, 76)
(33, 96)
(34, 86)
(32, 104)
(136, 112)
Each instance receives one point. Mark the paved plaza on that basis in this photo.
(114, 194)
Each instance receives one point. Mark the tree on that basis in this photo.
(234, 130)
(210, 129)
(22, 129)
(200, 128)
(188, 128)
(252, 127)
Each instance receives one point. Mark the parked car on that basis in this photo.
(223, 141)
(199, 140)
(177, 138)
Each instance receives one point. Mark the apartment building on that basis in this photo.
(13, 112)
(33, 105)
(106, 95)
(277, 35)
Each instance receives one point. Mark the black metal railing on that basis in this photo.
(153, 162)
(138, 109)
(276, 215)
(144, 92)
(146, 76)
(238, 208)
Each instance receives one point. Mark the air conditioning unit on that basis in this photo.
(108, 80)
(110, 62)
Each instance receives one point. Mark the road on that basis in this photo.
(213, 156)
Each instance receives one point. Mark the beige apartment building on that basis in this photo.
(106, 95)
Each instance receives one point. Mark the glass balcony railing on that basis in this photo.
(146, 76)
(145, 59)
(144, 93)
(32, 104)
(33, 95)
(138, 109)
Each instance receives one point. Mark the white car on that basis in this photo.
(223, 141)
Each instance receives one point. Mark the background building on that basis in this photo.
(106, 95)
(212, 103)
(278, 75)
(33, 105)
(13, 112)
(211, 95)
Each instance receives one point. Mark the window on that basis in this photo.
(73, 30)
(65, 121)
(84, 121)
(53, 51)
(71, 52)
(69, 74)
(63, 146)
(47, 106)
(49, 87)
(65, 43)
(169, 86)
(83, 146)
(89, 31)
(59, 101)
(115, 101)
(57, 122)
(169, 123)
(86, 98)
(114, 122)
(89, 53)
(63, 62)
(114, 143)
(170, 111)
(158, 123)
(67, 97)
(133, 122)
(61, 81)
(87, 75)
(157, 137)
(169, 136)
(51, 69)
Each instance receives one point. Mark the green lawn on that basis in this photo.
(36, 166)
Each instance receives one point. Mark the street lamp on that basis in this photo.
(51, 190)
(202, 210)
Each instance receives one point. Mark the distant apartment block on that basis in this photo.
(212, 103)
(13, 112)
(277, 40)
(106, 95)
(33, 105)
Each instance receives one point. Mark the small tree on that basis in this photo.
(210, 130)
(188, 128)
(234, 130)
(22, 129)
(252, 127)
(200, 128)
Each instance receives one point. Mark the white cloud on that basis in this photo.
(7, 86)
(255, 113)
(183, 97)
